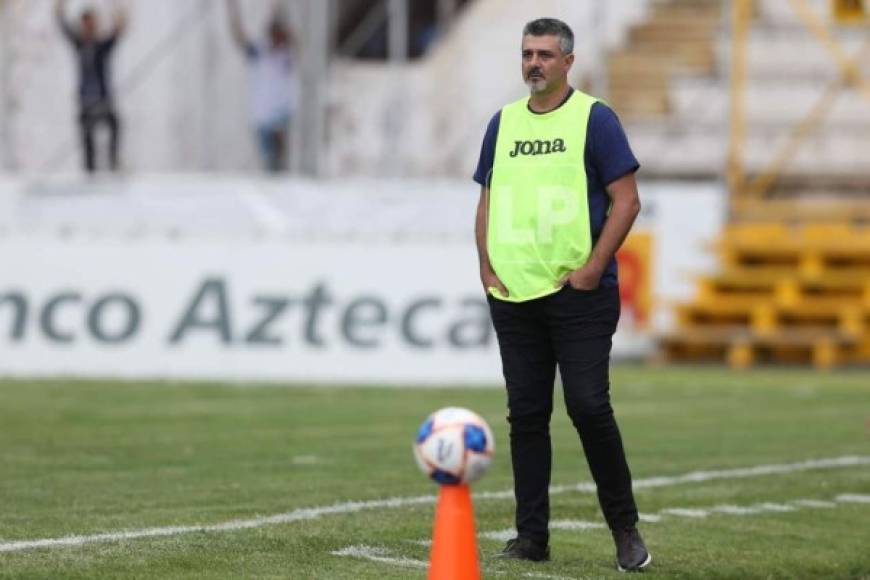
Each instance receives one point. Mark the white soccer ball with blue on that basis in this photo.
(454, 446)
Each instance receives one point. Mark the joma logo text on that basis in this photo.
(538, 147)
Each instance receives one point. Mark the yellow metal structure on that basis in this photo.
(741, 18)
(794, 279)
(850, 11)
(784, 294)
(850, 77)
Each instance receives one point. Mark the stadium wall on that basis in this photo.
(182, 87)
(428, 118)
(382, 287)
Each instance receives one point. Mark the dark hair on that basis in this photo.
(552, 27)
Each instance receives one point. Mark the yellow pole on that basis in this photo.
(741, 12)
(850, 69)
(850, 11)
(762, 183)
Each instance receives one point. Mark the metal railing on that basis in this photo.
(850, 76)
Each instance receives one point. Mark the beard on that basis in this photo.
(536, 85)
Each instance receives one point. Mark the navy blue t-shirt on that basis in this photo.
(95, 79)
(608, 157)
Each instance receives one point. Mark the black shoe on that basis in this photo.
(631, 553)
(524, 549)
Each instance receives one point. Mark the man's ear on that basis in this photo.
(569, 60)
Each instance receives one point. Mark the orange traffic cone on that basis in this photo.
(454, 544)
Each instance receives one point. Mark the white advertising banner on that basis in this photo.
(315, 311)
(335, 313)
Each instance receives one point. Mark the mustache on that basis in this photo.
(535, 72)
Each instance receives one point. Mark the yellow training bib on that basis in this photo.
(538, 223)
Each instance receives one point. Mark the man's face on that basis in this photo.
(89, 24)
(277, 34)
(544, 65)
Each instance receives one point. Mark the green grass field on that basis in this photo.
(87, 458)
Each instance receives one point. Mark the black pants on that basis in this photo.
(89, 119)
(573, 329)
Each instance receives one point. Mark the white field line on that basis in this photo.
(734, 510)
(814, 503)
(425, 543)
(350, 507)
(575, 525)
(505, 535)
(380, 555)
(499, 535)
(738, 473)
(776, 507)
(685, 512)
(546, 576)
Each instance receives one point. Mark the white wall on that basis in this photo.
(181, 86)
(5, 145)
(429, 118)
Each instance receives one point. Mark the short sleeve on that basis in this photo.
(487, 152)
(608, 147)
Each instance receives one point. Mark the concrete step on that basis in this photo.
(826, 206)
(680, 37)
(673, 31)
(633, 65)
(699, 12)
(697, 151)
(639, 105)
(797, 54)
(782, 12)
(689, 4)
(672, 44)
(769, 104)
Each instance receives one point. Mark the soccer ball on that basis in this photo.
(454, 446)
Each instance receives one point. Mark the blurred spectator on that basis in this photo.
(96, 99)
(273, 85)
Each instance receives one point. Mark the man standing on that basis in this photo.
(558, 197)
(96, 98)
(273, 85)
